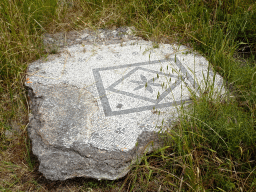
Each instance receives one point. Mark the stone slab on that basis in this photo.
(97, 107)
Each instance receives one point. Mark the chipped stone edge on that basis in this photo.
(146, 143)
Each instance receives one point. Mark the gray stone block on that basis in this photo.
(96, 108)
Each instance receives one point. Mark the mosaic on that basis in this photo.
(138, 87)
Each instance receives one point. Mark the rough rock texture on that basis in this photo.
(99, 104)
(58, 162)
(56, 42)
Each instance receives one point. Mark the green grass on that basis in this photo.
(210, 148)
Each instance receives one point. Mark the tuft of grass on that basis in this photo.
(210, 147)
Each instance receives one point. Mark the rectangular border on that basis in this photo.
(104, 100)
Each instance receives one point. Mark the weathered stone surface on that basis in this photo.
(97, 107)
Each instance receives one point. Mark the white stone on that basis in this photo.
(129, 89)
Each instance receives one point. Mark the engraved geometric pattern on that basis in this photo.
(139, 87)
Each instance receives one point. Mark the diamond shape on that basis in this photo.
(136, 77)
(158, 97)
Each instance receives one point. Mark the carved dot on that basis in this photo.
(119, 106)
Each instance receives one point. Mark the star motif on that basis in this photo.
(145, 83)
